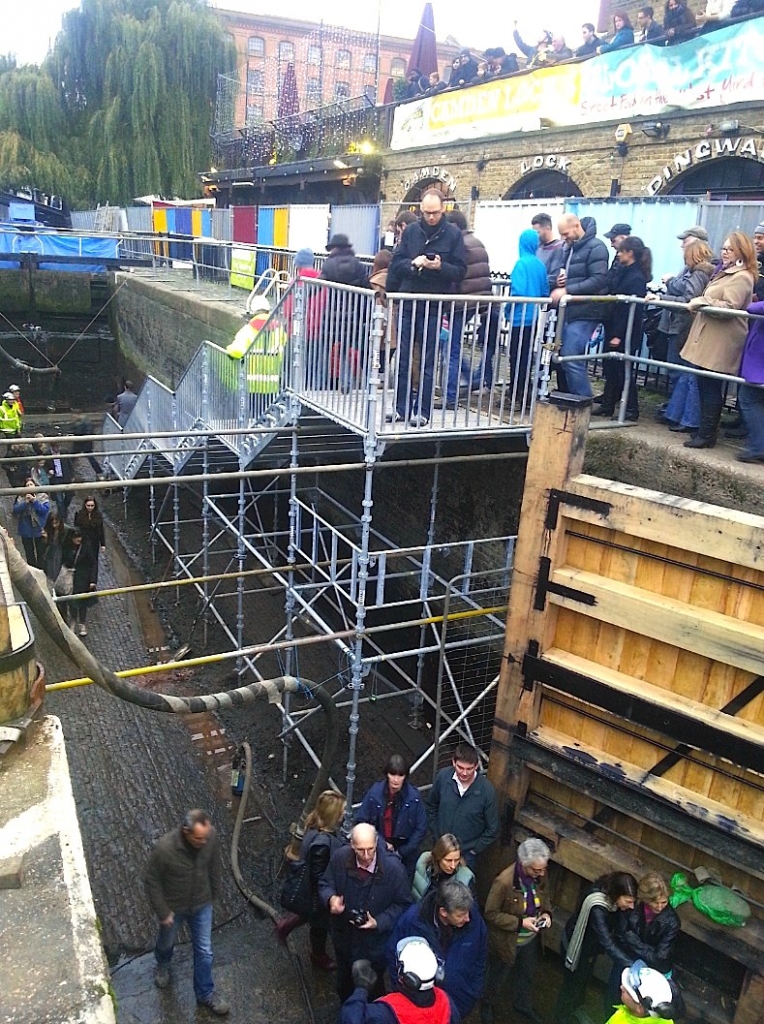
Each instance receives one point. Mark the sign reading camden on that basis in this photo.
(551, 162)
(429, 174)
(708, 149)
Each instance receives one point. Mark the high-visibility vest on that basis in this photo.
(263, 351)
(10, 423)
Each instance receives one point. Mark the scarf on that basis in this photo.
(573, 952)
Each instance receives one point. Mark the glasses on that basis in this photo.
(727, 248)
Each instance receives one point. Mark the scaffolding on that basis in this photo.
(239, 474)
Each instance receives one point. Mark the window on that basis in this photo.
(341, 90)
(370, 92)
(313, 92)
(255, 81)
(256, 46)
(286, 53)
(370, 63)
(230, 38)
(314, 54)
(343, 59)
(398, 67)
(254, 113)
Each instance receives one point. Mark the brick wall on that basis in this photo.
(607, 7)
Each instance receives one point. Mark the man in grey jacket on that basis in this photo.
(182, 879)
(463, 802)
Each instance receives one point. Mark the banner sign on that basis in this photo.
(639, 81)
(243, 263)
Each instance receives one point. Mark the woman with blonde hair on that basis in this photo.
(318, 844)
(649, 931)
(444, 861)
(716, 342)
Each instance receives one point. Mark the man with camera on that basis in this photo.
(430, 259)
(516, 911)
(366, 889)
(417, 998)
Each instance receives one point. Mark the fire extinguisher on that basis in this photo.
(237, 772)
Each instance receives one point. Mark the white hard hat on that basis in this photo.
(648, 987)
(417, 965)
(8, 397)
(258, 304)
(14, 387)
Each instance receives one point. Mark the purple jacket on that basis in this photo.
(752, 363)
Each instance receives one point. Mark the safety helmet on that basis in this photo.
(649, 988)
(258, 304)
(417, 965)
(14, 387)
(8, 397)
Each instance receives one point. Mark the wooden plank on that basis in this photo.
(733, 536)
(750, 1003)
(558, 444)
(692, 804)
(656, 695)
(710, 634)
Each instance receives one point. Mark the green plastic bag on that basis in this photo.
(718, 902)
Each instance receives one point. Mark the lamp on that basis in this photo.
(655, 129)
(731, 127)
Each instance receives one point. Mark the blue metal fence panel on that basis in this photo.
(265, 225)
(360, 224)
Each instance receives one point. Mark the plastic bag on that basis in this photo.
(720, 904)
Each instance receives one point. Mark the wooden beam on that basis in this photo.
(750, 1003)
(607, 783)
(710, 634)
(557, 448)
(723, 533)
(681, 718)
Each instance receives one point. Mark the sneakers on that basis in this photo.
(323, 962)
(162, 976)
(394, 417)
(417, 420)
(216, 1005)
(82, 629)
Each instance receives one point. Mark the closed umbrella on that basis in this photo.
(289, 101)
(424, 53)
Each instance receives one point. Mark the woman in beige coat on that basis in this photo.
(716, 342)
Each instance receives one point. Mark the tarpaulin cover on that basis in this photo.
(58, 245)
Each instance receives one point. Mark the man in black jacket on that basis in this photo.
(585, 272)
(182, 879)
(430, 258)
(365, 889)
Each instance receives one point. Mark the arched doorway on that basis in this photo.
(545, 184)
(413, 196)
(723, 178)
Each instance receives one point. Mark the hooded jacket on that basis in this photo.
(343, 267)
(586, 262)
(529, 279)
(445, 240)
(477, 280)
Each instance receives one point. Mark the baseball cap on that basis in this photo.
(695, 232)
(648, 987)
(618, 229)
(415, 957)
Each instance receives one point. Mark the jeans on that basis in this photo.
(200, 925)
(576, 336)
(487, 335)
(751, 402)
(419, 326)
(684, 405)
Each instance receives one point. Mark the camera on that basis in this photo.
(542, 922)
(357, 917)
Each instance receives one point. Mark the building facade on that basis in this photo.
(330, 63)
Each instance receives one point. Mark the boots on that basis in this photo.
(286, 926)
(318, 955)
(706, 435)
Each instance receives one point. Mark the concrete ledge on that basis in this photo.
(649, 455)
(53, 967)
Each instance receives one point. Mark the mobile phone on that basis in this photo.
(542, 922)
(430, 256)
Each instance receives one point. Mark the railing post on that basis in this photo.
(298, 337)
(627, 364)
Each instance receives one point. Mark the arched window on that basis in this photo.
(370, 63)
(286, 52)
(343, 59)
(256, 46)
(398, 67)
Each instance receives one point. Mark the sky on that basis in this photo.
(31, 26)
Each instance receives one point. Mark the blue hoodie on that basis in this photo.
(529, 280)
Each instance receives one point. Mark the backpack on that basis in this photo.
(298, 895)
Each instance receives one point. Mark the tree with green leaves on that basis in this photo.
(124, 102)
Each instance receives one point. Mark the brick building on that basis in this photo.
(330, 62)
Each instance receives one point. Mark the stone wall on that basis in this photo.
(58, 292)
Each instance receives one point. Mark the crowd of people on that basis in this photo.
(409, 939)
(65, 547)
(679, 23)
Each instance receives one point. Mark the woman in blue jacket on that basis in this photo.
(396, 810)
(529, 280)
(624, 33)
(31, 513)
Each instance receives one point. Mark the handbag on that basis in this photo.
(297, 891)
(64, 585)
